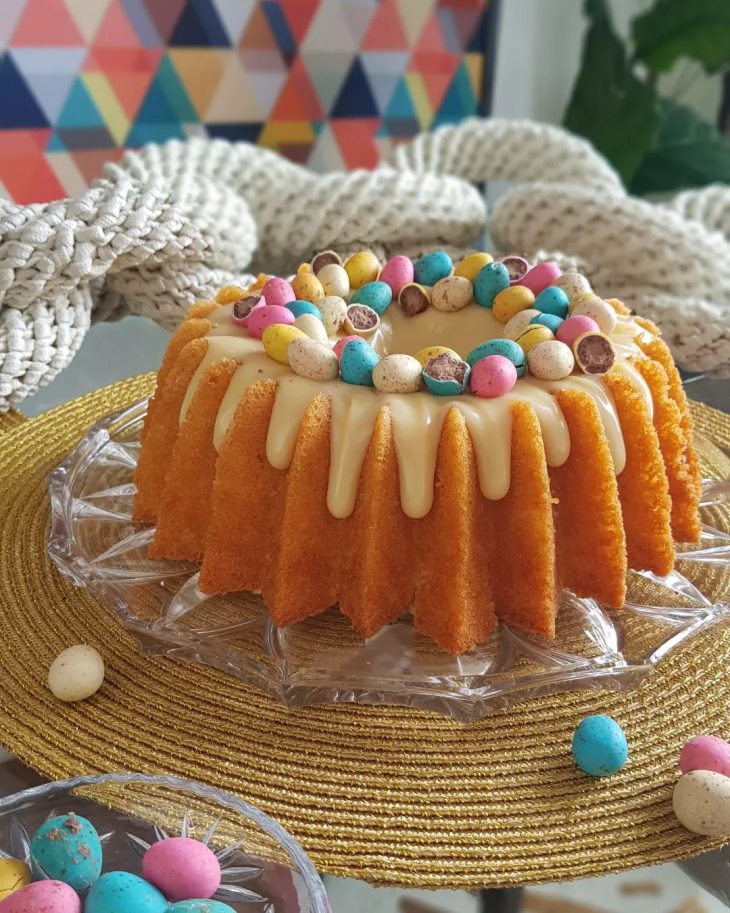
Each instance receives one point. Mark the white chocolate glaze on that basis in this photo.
(417, 418)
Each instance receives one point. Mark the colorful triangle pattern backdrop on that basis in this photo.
(331, 83)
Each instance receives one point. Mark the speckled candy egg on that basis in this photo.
(313, 359)
(511, 301)
(451, 293)
(572, 283)
(599, 746)
(312, 326)
(306, 286)
(551, 321)
(533, 335)
(334, 311)
(200, 906)
(575, 326)
(335, 280)
(339, 346)
(490, 281)
(276, 339)
(267, 316)
(552, 300)
(243, 306)
(517, 324)
(507, 348)
(540, 276)
(182, 868)
(361, 320)
(278, 291)
(600, 311)
(362, 267)
(304, 307)
(375, 295)
(398, 374)
(397, 272)
(701, 801)
(517, 267)
(414, 299)
(492, 376)
(122, 892)
(43, 897)
(470, 266)
(67, 848)
(551, 360)
(446, 374)
(705, 752)
(15, 874)
(357, 363)
(423, 356)
(325, 258)
(594, 353)
(76, 673)
(582, 298)
(431, 267)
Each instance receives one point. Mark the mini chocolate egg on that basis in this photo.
(507, 348)
(705, 752)
(551, 321)
(398, 374)
(276, 339)
(471, 264)
(594, 353)
(229, 293)
(490, 281)
(338, 347)
(312, 326)
(414, 299)
(307, 287)
(304, 307)
(446, 374)
(582, 298)
(572, 283)
(397, 272)
(335, 280)
(701, 802)
(552, 300)
(362, 267)
(67, 848)
(551, 360)
(325, 258)
(511, 301)
(515, 325)
(182, 868)
(492, 376)
(76, 673)
(122, 892)
(574, 326)
(425, 355)
(601, 312)
(358, 362)
(361, 320)
(270, 314)
(452, 293)
(15, 874)
(43, 897)
(599, 746)
(517, 267)
(278, 291)
(540, 276)
(200, 906)
(431, 267)
(313, 359)
(334, 311)
(533, 335)
(242, 308)
(375, 295)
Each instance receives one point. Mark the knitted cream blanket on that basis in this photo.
(170, 224)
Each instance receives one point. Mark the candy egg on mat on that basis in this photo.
(200, 906)
(306, 286)
(446, 374)
(517, 267)
(325, 258)
(361, 319)
(276, 339)
(267, 316)
(594, 353)
(575, 326)
(431, 267)
(277, 291)
(599, 746)
(540, 276)
(572, 283)
(67, 848)
(470, 265)
(397, 272)
(334, 311)
(361, 268)
(423, 356)
(14, 874)
(398, 374)
(298, 308)
(338, 347)
(551, 321)
(510, 301)
(44, 897)
(314, 359)
(357, 362)
(243, 306)
(414, 299)
(533, 335)
(452, 293)
(123, 892)
(515, 325)
(701, 801)
(705, 752)
(493, 376)
(551, 360)
(76, 673)
(490, 281)
(375, 295)
(600, 311)
(552, 300)
(182, 868)
(507, 348)
(312, 326)
(335, 280)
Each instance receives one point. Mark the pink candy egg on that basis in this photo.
(397, 272)
(705, 752)
(263, 317)
(540, 276)
(242, 321)
(278, 291)
(339, 346)
(182, 868)
(43, 897)
(573, 327)
(493, 376)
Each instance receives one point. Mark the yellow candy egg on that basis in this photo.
(532, 336)
(361, 268)
(229, 293)
(276, 339)
(307, 286)
(511, 301)
(425, 355)
(14, 875)
(583, 298)
(470, 266)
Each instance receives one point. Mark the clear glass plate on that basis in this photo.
(95, 544)
(264, 870)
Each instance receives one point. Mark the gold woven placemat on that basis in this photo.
(10, 419)
(388, 795)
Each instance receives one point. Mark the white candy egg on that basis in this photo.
(515, 325)
(398, 374)
(333, 310)
(335, 280)
(601, 312)
(313, 359)
(701, 801)
(550, 360)
(573, 283)
(76, 673)
(312, 326)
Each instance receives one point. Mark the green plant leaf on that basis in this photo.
(671, 29)
(609, 105)
(688, 152)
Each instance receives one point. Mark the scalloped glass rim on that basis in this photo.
(95, 544)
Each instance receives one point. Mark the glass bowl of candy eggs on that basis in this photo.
(134, 843)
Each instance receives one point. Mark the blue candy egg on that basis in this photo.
(122, 892)
(429, 268)
(357, 363)
(375, 295)
(67, 848)
(599, 746)
(551, 321)
(454, 375)
(200, 906)
(552, 300)
(303, 307)
(490, 281)
(505, 347)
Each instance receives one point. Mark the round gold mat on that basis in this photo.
(384, 794)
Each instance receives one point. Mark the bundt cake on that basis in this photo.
(458, 443)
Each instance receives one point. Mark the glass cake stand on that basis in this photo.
(95, 543)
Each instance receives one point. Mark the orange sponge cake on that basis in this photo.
(457, 442)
